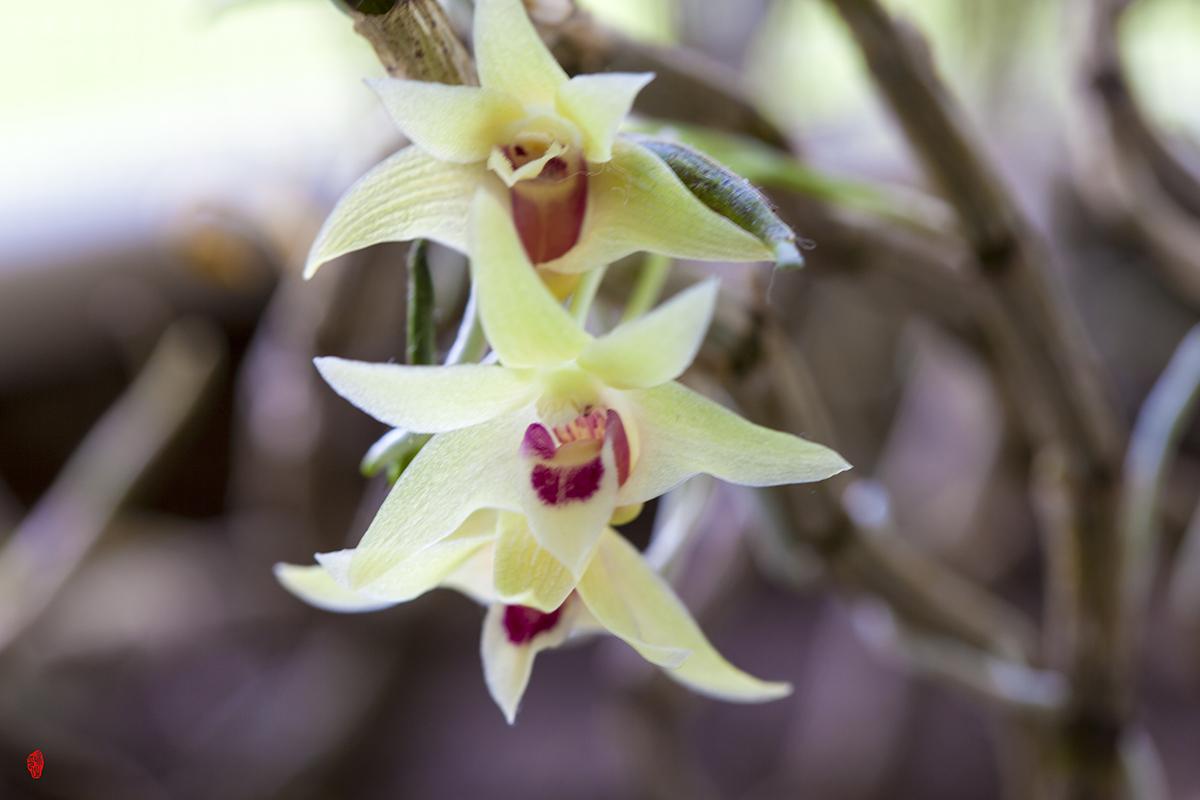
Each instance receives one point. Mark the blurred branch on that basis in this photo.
(919, 589)
(770, 168)
(1012, 686)
(1127, 170)
(1129, 122)
(413, 39)
(10, 509)
(1047, 345)
(688, 87)
(102, 474)
(1145, 773)
(1160, 425)
(858, 539)
(1045, 350)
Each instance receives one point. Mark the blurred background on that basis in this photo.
(164, 440)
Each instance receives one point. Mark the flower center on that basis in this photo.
(549, 209)
(523, 624)
(569, 459)
(545, 172)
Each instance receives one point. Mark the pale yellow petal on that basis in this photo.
(410, 195)
(598, 104)
(636, 203)
(525, 573)
(682, 433)
(636, 604)
(454, 475)
(453, 123)
(439, 564)
(474, 576)
(428, 399)
(510, 55)
(315, 586)
(657, 347)
(525, 325)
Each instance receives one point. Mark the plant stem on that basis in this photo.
(1011, 685)
(585, 294)
(104, 471)
(1037, 333)
(416, 40)
(651, 277)
(420, 345)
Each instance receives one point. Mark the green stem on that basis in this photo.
(652, 276)
(396, 449)
(420, 345)
(585, 294)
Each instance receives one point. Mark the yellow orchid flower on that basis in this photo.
(566, 429)
(580, 196)
(494, 559)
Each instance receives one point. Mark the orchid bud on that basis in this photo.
(731, 196)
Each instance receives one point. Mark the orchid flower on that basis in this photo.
(494, 559)
(566, 429)
(580, 196)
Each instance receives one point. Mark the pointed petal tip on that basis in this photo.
(748, 689)
(827, 463)
(838, 464)
(709, 288)
(766, 693)
(510, 715)
(326, 367)
(315, 260)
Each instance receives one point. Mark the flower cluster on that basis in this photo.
(536, 454)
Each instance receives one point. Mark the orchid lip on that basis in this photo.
(523, 624)
(569, 458)
(548, 209)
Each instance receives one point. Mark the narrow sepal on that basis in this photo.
(511, 56)
(408, 196)
(657, 347)
(598, 104)
(427, 399)
(460, 124)
(683, 434)
(635, 603)
(456, 474)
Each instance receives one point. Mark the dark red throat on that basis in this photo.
(523, 623)
(549, 209)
